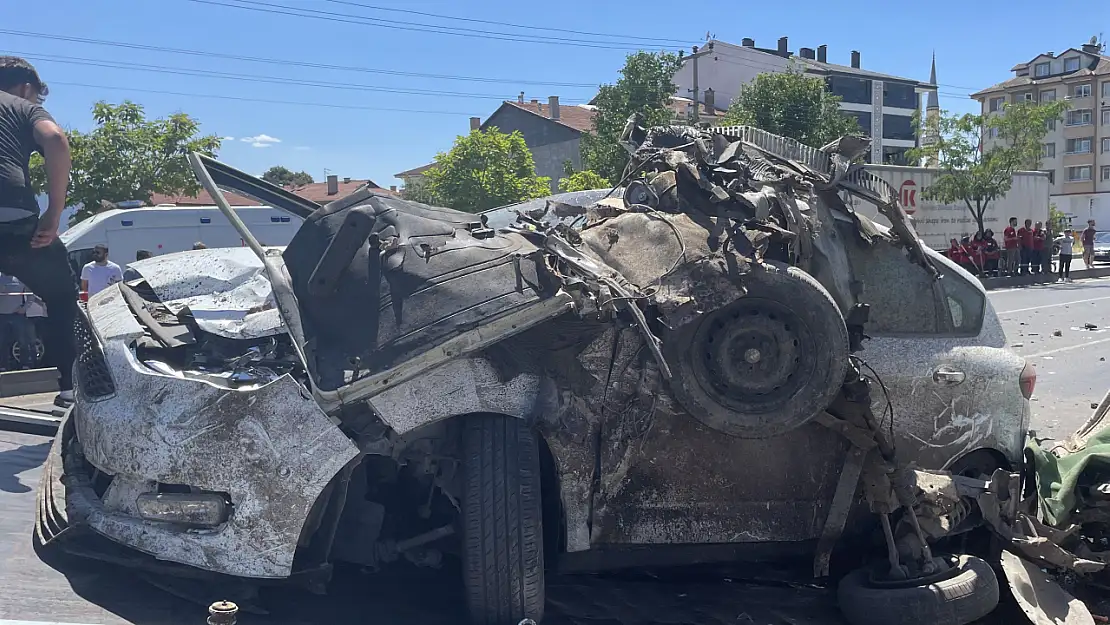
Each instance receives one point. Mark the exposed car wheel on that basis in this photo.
(502, 521)
(967, 592)
(766, 363)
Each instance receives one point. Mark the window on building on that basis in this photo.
(1106, 117)
(1105, 173)
(895, 156)
(1042, 69)
(1081, 173)
(992, 133)
(1050, 124)
(898, 127)
(1072, 64)
(1048, 150)
(1106, 145)
(1081, 91)
(1106, 89)
(1048, 95)
(899, 95)
(863, 119)
(1079, 146)
(996, 104)
(1079, 117)
(855, 90)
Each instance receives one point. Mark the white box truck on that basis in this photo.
(166, 229)
(938, 223)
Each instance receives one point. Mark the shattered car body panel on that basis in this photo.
(270, 449)
(551, 312)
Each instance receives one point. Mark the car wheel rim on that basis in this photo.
(755, 353)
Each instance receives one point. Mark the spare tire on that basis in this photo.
(966, 593)
(766, 363)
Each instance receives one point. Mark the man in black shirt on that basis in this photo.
(29, 245)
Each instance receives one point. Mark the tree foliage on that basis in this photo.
(793, 105)
(582, 181)
(486, 169)
(128, 157)
(978, 155)
(284, 177)
(420, 192)
(645, 86)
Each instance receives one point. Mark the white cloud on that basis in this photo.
(261, 141)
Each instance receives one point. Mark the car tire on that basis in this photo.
(969, 593)
(502, 518)
(789, 383)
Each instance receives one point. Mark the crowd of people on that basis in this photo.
(1025, 250)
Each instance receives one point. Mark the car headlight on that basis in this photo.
(192, 509)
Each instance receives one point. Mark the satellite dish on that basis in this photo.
(1094, 39)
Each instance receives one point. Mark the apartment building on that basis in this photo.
(1077, 147)
(883, 104)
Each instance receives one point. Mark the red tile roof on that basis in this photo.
(573, 116)
(317, 192)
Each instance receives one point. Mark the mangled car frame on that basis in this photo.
(718, 360)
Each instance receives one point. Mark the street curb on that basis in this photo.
(1019, 281)
(29, 382)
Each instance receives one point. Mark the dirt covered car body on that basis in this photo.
(581, 377)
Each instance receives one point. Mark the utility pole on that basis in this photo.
(694, 57)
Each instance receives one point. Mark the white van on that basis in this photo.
(165, 229)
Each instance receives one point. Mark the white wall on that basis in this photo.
(725, 70)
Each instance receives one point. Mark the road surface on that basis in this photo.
(1073, 369)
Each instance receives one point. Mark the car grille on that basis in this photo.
(92, 370)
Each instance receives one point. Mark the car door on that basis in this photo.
(932, 388)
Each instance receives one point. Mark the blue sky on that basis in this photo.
(366, 131)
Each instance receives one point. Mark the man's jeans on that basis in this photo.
(45, 271)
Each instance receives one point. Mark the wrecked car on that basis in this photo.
(716, 361)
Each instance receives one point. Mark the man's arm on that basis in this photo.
(55, 151)
(85, 279)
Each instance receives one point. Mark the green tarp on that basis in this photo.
(1057, 477)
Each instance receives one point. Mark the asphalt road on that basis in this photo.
(1073, 369)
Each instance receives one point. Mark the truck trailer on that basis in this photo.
(937, 223)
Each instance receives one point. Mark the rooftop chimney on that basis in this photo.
(535, 101)
(393, 188)
(747, 42)
(783, 47)
(346, 180)
(553, 104)
(333, 184)
(475, 123)
(520, 98)
(710, 106)
(855, 59)
(822, 53)
(1093, 46)
(807, 53)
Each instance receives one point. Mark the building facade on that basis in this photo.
(1076, 149)
(884, 105)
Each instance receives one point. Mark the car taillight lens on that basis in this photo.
(1028, 380)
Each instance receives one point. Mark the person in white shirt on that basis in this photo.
(100, 273)
(1066, 244)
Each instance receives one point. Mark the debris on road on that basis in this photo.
(1057, 333)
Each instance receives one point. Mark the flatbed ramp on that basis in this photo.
(75, 591)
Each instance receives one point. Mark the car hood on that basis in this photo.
(225, 289)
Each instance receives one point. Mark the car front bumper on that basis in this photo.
(269, 450)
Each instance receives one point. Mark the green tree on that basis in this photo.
(419, 192)
(582, 181)
(645, 86)
(978, 155)
(284, 177)
(484, 170)
(128, 157)
(793, 105)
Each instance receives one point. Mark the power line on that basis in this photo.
(285, 62)
(330, 16)
(182, 71)
(511, 25)
(259, 100)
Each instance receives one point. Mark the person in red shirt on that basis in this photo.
(1010, 244)
(991, 253)
(977, 252)
(1036, 259)
(955, 252)
(1025, 238)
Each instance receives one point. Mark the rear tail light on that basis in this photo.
(1028, 380)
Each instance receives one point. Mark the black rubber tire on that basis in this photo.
(968, 595)
(502, 518)
(786, 288)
